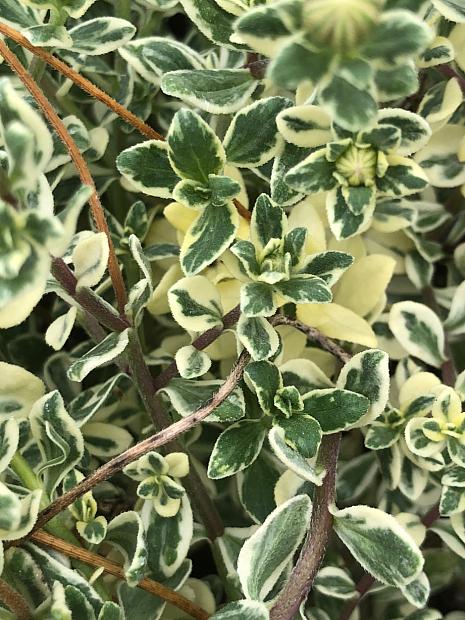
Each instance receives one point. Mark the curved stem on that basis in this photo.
(314, 548)
(151, 443)
(83, 83)
(202, 342)
(80, 163)
(14, 601)
(83, 555)
(313, 334)
(87, 299)
(96, 92)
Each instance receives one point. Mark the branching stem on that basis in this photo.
(83, 555)
(151, 443)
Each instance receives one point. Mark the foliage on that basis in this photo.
(236, 382)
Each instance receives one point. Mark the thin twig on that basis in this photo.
(313, 334)
(14, 601)
(97, 93)
(83, 83)
(151, 443)
(313, 550)
(86, 298)
(199, 496)
(154, 587)
(367, 581)
(80, 163)
(200, 343)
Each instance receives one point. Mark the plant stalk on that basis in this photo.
(80, 163)
(313, 551)
(157, 440)
(83, 555)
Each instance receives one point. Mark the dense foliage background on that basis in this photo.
(232, 309)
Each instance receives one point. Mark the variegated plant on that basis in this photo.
(232, 309)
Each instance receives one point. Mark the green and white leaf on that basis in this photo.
(336, 409)
(415, 131)
(187, 395)
(148, 169)
(419, 331)
(194, 150)
(455, 322)
(89, 401)
(451, 9)
(105, 351)
(191, 362)
(168, 540)
(379, 543)
(208, 237)
(55, 571)
(292, 459)
(126, 533)
(151, 57)
(417, 592)
(265, 555)
(252, 138)
(101, 35)
(335, 582)
(58, 437)
(9, 439)
(217, 91)
(258, 337)
(305, 126)
(19, 390)
(242, 610)
(367, 373)
(236, 448)
(195, 304)
(17, 115)
(106, 440)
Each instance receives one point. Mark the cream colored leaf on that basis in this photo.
(335, 321)
(90, 258)
(58, 331)
(361, 287)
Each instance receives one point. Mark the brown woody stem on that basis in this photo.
(313, 551)
(202, 342)
(80, 81)
(151, 443)
(83, 555)
(313, 334)
(86, 298)
(14, 601)
(80, 163)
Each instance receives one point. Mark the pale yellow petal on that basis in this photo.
(293, 343)
(178, 463)
(353, 246)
